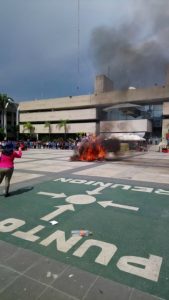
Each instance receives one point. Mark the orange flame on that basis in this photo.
(90, 151)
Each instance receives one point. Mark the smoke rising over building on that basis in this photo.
(136, 51)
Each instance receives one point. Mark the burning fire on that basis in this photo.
(90, 151)
(95, 148)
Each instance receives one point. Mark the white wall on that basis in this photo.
(166, 108)
(126, 126)
(72, 128)
(78, 114)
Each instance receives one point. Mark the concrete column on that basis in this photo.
(5, 124)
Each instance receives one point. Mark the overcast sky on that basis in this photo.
(55, 48)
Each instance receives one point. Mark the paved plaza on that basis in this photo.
(124, 203)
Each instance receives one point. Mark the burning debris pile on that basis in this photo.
(93, 148)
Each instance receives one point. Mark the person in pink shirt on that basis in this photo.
(8, 154)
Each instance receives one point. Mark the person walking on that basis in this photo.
(8, 154)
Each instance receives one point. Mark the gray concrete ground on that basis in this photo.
(23, 273)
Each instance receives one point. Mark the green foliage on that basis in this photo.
(63, 123)
(80, 134)
(28, 126)
(48, 125)
(2, 134)
(3, 100)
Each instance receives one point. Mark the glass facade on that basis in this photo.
(151, 112)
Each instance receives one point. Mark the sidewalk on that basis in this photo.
(27, 275)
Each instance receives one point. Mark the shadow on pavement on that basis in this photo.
(21, 191)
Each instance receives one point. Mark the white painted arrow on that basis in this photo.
(53, 195)
(61, 209)
(96, 191)
(109, 203)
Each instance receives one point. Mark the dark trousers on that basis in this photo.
(7, 174)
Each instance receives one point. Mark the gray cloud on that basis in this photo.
(40, 55)
(38, 47)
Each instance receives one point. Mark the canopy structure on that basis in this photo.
(123, 106)
(130, 109)
(127, 137)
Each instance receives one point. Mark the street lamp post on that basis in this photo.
(5, 120)
(17, 122)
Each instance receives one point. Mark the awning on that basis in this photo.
(124, 106)
(127, 137)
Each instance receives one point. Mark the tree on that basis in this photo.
(2, 134)
(15, 131)
(28, 126)
(63, 123)
(4, 100)
(48, 125)
(81, 134)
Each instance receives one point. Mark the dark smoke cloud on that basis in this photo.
(137, 51)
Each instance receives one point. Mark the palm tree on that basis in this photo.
(48, 125)
(28, 126)
(63, 123)
(2, 134)
(15, 131)
(3, 100)
(81, 134)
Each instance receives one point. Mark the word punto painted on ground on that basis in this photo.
(149, 267)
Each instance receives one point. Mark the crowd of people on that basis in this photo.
(86, 148)
(61, 144)
(67, 144)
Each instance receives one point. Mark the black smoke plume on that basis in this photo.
(135, 53)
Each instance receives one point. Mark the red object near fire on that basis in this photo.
(167, 136)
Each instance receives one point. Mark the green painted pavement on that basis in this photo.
(137, 233)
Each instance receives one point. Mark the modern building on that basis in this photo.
(144, 111)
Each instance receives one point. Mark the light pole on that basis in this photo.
(5, 120)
